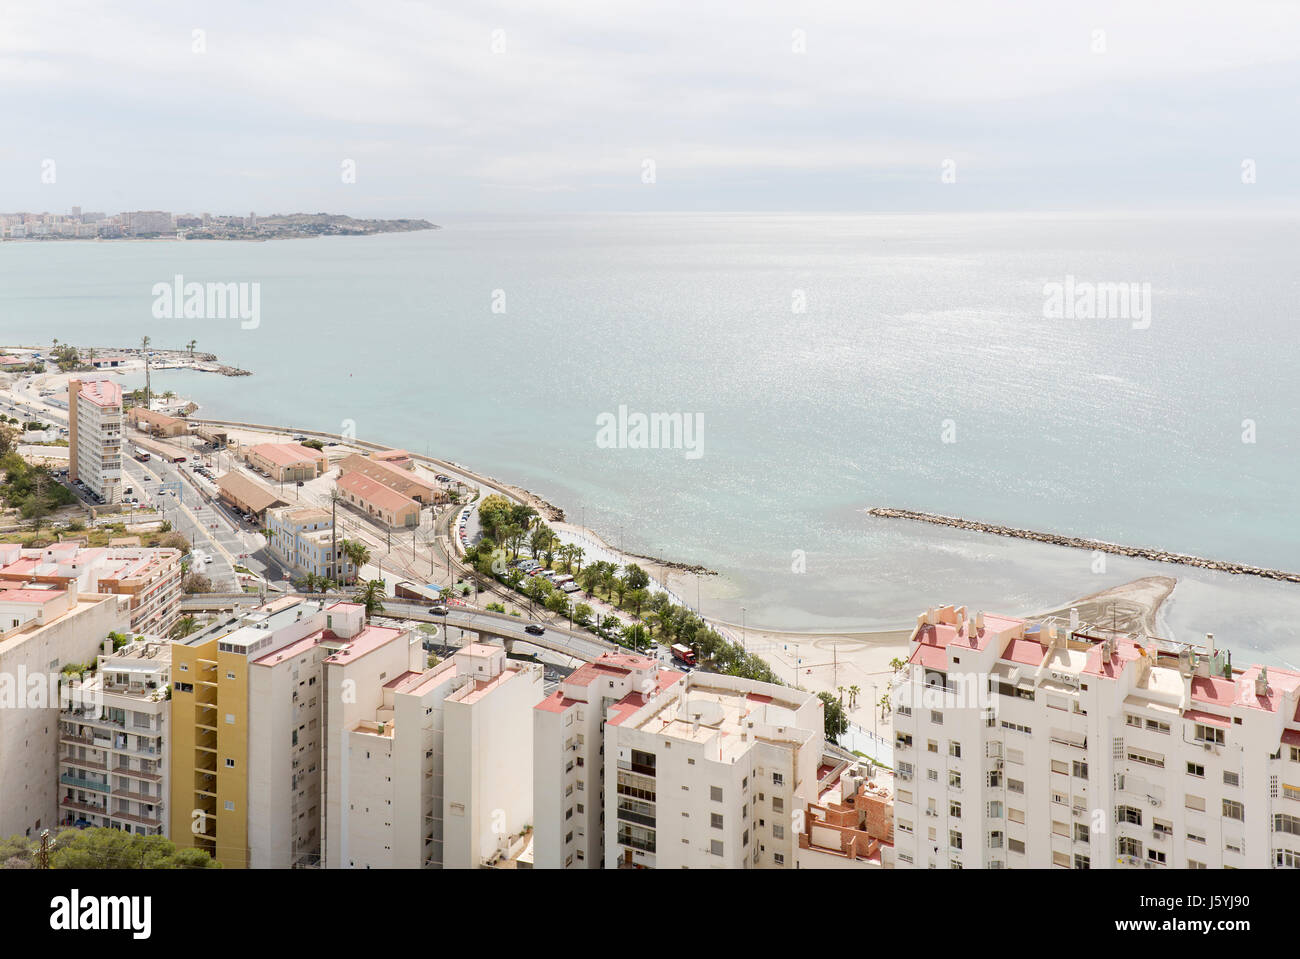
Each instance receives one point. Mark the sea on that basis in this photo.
(826, 364)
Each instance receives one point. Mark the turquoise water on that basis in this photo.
(1081, 426)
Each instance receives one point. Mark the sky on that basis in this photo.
(605, 105)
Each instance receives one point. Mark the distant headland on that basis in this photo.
(163, 225)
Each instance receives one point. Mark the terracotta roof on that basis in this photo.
(286, 454)
(249, 491)
(374, 493)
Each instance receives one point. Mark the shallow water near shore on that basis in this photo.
(917, 329)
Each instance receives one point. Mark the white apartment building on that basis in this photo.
(569, 755)
(1067, 745)
(42, 629)
(712, 772)
(438, 772)
(113, 760)
(95, 437)
(488, 756)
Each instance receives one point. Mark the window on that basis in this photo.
(954, 839)
(1196, 769)
(995, 839)
(1155, 855)
(1212, 735)
(1195, 802)
(715, 820)
(1155, 726)
(778, 831)
(954, 750)
(1080, 769)
(776, 858)
(1233, 809)
(932, 775)
(1059, 766)
(777, 780)
(954, 810)
(1015, 845)
(230, 764)
(1081, 861)
(1286, 859)
(1130, 814)
(995, 778)
(1149, 759)
(230, 806)
(931, 746)
(715, 793)
(954, 780)
(1295, 754)
(1282, 822)
(778, 804)
(995, 809)
(1015, 786)
(1129, 846)
(1231, 779)
(715, 847)
(936, 717)
(1016, 815)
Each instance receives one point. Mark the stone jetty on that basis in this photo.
(1077, 542)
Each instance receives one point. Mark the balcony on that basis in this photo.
(79, 783)
(83, 763)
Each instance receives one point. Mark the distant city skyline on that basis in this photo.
(402, 110)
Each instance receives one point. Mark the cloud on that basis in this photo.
(562, 102)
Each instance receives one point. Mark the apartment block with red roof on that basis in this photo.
(711, 772)
(432, 768)
(569, 757)
(42, 629)
(150, 577)
(1068, 745)
(95, 436)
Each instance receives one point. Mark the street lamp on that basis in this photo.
(742, 629)
(875, 703)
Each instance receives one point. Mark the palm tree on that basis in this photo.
(371, 595)
(896, 664)
(853, 696)
(577, 555)
(190, 346)
(841, 696)
(183, 627)
(358, 555)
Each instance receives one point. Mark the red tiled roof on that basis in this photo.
(102, 392)
(1201, 716)
(1027, 652)
(286, 454)
(374, 492)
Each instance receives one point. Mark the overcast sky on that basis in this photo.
(1033, 105)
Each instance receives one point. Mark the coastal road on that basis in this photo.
(579, 645)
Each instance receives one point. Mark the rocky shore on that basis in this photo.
(1077, 542)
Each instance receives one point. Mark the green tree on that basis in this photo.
(836, 720)
(636, 577)
(371, 595)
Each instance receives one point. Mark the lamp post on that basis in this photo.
(742, 629)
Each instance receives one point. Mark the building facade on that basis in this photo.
(95, 437)
(304, 540)
(42, 629)
(712, 772)
(1063, 744)
(113, 761)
